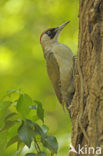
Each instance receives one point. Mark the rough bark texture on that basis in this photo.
(87, 105)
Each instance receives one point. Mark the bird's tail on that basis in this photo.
(64, 106)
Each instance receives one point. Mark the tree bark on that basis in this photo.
(87, 104)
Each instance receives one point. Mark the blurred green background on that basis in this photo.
(22, 64)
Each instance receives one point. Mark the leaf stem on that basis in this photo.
(37, 145)
(52, 153)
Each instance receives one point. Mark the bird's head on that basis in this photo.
(51, 35)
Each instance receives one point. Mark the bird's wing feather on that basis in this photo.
(64, 58)
(54, 74)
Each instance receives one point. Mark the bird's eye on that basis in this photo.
(49, 32)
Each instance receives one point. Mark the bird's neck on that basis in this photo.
(47, 47)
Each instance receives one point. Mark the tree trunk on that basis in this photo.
(87, 105)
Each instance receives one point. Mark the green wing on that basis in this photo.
(54, 74)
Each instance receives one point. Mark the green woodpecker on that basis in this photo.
(60, 62)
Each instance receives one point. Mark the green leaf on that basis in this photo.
(11, 91)
(44, 129)
(38, 130)
(40, 110)
(13, 140)
(41, 154)
(12, 131)
(32, 107)
(51, 143)
(31, 154)
(9, 124)
(3, 109)
(38, 154)
(26, 132)
(3, 142)
(20, 147)
(10, 116)
(23, 105)
(5, 105)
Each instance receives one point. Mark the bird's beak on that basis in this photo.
(62, 26)
(59, 29)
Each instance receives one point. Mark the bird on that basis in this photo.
(60, 64)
